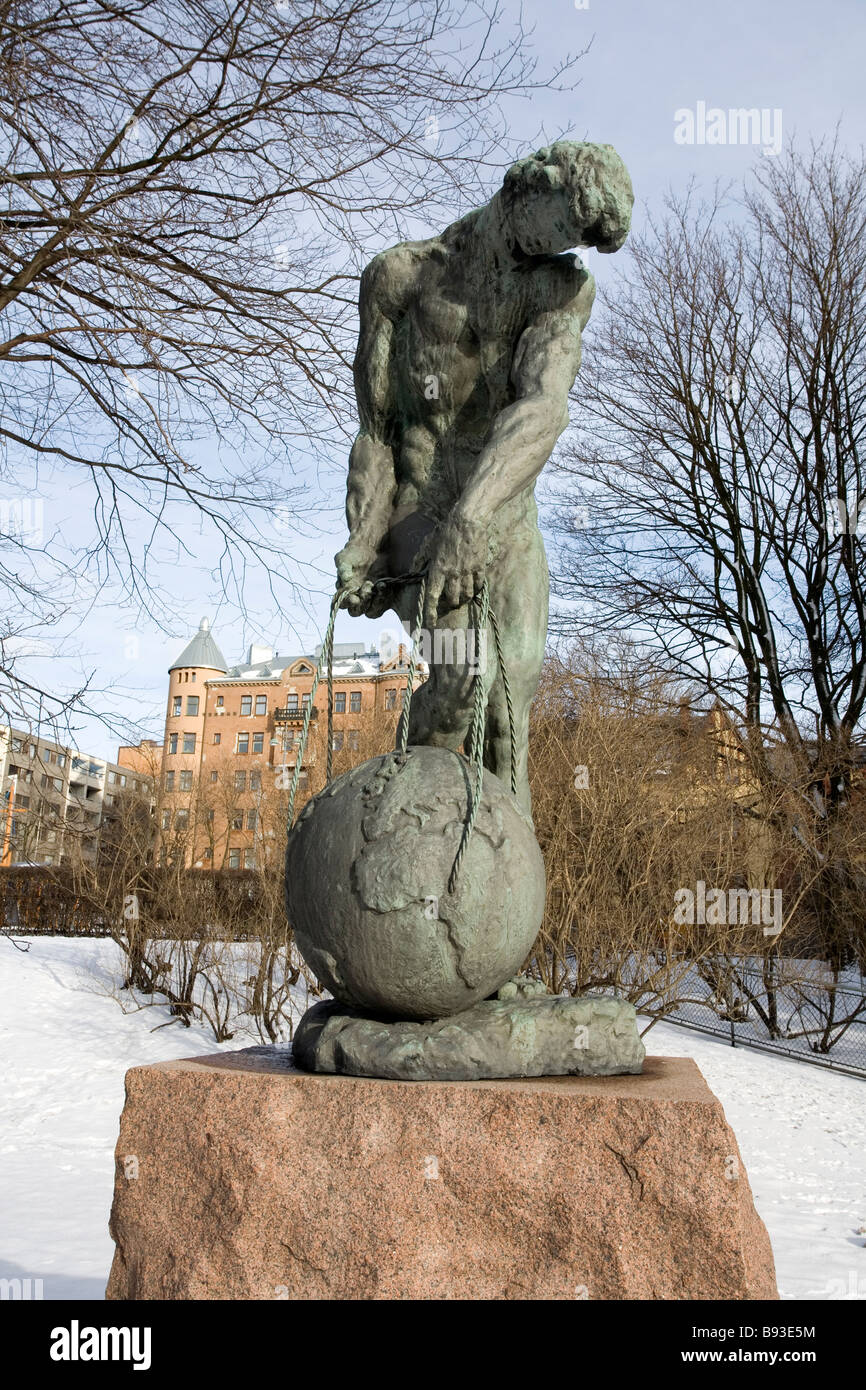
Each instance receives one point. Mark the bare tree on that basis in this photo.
(717, 466)
(186, 193)
(721, 419)
(637, 798)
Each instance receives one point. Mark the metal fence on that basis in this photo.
(796, 1011)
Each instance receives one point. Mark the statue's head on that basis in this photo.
(568, 194)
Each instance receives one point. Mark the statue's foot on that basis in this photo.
(523, 1034)
(521, 987)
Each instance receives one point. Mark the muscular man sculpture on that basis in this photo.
(469, 344)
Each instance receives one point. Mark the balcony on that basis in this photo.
(84, 768)
(290, 715)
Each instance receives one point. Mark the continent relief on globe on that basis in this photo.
(367, 870)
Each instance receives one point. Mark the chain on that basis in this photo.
(482, 608)
(327, 655)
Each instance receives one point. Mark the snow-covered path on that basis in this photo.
(66, 1045)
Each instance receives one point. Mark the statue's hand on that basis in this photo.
(358, 568)
(456, 556)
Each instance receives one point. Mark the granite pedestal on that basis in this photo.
(240, 1177)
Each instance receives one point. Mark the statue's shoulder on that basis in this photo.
(389, 277)
(563, 284)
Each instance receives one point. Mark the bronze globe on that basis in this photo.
(367, 870)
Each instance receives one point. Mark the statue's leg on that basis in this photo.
(519, 598)
(442, 706)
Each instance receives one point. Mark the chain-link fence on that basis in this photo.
(793, 1008)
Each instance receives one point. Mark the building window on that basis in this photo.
(305, 700)
(217, 738)
(181, 819)
(240, 781)
(210, 816)
(208, 854)
(249, 859)
(189, 743)
(291, 702)
(166, 820)
(355, 702)
(258, 743)
(44, 780)
(186, 779)
(192, 677)
(340, 702)
(175, 706)
(172, 743)
(251, 820)
(338, 740)
(390, 699)
(243, 743)
(122, 780)
(17, 745)
(303, 779)
(61, 759)
(112, 776)
(214, 776)
(220, 702)
(255, 781)
(237, 820)
(246, 705)
(169, 781)
(192, 706)
(234, 859)
(354, 739)
(261, 704)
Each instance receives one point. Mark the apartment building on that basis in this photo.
(232, 742)
(55, 799)
(144, 758)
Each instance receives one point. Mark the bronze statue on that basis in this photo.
(469, 345)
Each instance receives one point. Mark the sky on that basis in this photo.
(647, 85)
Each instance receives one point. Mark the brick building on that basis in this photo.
(232, 741)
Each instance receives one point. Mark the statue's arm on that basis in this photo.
(371, 482)
(524, 433)
(518, 446)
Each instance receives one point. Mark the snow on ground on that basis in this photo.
(66, 1045)
(802, 1133)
